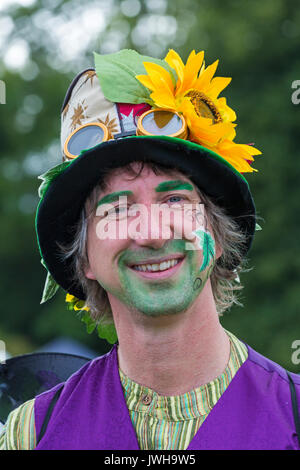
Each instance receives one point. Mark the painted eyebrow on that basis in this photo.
(175, 184)
(114, 197)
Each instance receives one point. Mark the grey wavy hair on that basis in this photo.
(226, 233)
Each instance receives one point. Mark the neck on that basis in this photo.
(172, 354)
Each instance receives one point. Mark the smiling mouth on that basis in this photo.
(165, 265)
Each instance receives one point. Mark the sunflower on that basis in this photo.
(195, 95)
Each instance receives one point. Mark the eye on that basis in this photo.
(117, 212)
(176, 198)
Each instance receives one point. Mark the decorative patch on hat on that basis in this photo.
(78, 115)
(111, 124)
(128, 116)
(90, 76)
(85, 76)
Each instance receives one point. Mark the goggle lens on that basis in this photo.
(85, 138)
(162, 123)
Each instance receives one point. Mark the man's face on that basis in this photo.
(149, 242)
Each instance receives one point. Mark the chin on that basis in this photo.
(167, 311)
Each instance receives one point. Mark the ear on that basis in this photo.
(89, 273)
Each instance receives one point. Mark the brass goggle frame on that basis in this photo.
(106, 136)
(160, 120)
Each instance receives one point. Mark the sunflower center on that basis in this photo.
(204, 106)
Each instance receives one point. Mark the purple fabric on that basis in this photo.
(91, 412)
(255, 411)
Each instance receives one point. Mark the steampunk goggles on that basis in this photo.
(152, 122)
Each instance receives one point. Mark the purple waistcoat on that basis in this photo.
(254, 412)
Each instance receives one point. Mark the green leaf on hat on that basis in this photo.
(49, 176)
(257, 227)
(120, 69)
(50, 287)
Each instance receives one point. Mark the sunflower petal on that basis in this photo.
(206, 76)
(163, 100)
(230, 134)
(249, 150)
(191, 69)
(217, 85)
(146, 81)
(226, 112)
(174, 61)
(158, 75)
(238, 155)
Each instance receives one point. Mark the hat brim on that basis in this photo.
(60, 207)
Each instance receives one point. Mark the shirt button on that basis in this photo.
(146, 400)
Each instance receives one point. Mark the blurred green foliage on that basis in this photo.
(44, 44)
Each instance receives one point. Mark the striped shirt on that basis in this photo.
(160, 422)
(170, 422)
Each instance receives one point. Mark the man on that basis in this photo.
(146, 225)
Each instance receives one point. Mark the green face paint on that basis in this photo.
(173, 185)
(114, 197)
(161, 296)
(155, 297)
(207, 244)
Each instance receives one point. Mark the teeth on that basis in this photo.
(156, 267)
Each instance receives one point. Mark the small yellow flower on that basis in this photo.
(77, 303)
(70, 298)
(80, 305)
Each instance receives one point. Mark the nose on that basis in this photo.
(147, 228)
